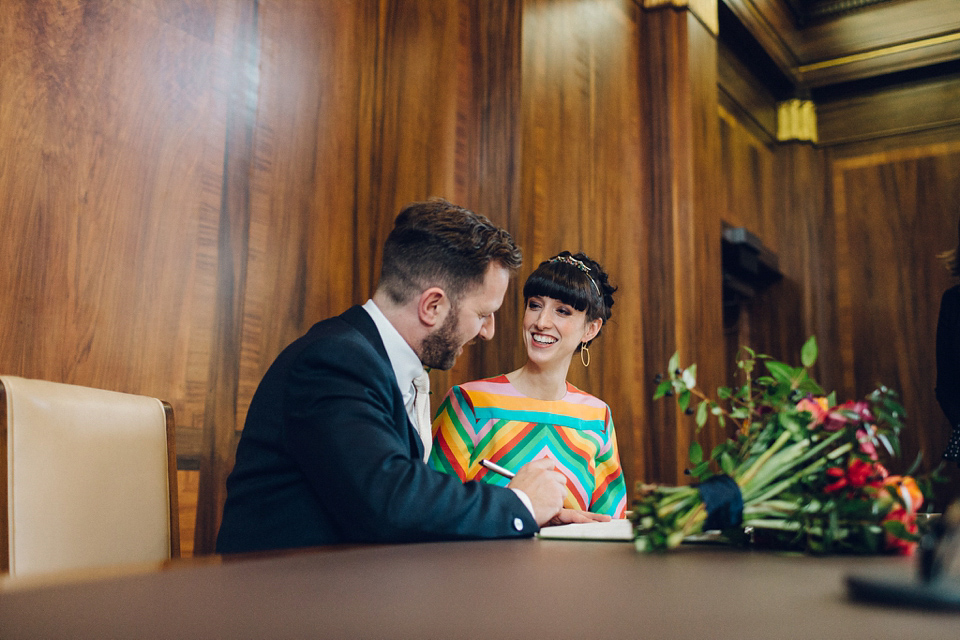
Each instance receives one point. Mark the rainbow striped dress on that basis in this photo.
(491, 419)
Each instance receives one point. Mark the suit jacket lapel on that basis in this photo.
(360, 320)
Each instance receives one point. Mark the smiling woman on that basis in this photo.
(533, 412)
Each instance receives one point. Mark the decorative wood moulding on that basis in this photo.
(705, 10)
(861, 39)
(796, 121)
(874, 54)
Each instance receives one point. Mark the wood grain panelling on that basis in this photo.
(238, 81)
(420, 128)
(112, 135)
(892, 111)
(743, 94)
(869, 41)
(582, 185)
(188, 490)
(776, 192)
(487, 162)
(682, 286)
(895, 210)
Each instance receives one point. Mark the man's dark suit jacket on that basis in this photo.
(328, 455)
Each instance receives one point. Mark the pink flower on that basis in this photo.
(865, 438)
(816, 407)
(839, 418)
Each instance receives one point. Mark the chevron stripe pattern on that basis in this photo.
(491, 419)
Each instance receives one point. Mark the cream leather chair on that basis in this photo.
(87, 478)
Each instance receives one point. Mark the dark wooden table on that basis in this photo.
(491, 589)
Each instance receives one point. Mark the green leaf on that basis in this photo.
(702, 413)
(892, 447)
(781, 372)
(662, 389)
(808, 353)
(696, 453)
(700, 469)
(916, 464)
(727, 463)
(683, 400)
(689, 376)
(724, 392)
(897, 528)
(672, 364)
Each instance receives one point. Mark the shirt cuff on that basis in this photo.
(526, 501)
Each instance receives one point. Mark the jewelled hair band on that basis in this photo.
(579, 265)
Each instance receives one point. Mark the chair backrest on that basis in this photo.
(87, 478)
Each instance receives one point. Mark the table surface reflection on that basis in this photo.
(479, 589)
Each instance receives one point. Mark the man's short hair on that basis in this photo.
(437, 243)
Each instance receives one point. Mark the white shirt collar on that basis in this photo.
(406, 365)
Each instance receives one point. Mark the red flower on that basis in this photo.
(899, 545)
(858, 474)
(909, 498)
(839, 479)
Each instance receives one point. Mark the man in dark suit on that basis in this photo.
(331, 452)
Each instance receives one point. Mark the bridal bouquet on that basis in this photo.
(798, 470)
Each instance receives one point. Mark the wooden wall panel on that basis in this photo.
(111, 128)
(487, 159)
(895, 210)
(682, 285)
(582, 185)
(776, 192)
(188, 489)
(863, 42)
(111, 142)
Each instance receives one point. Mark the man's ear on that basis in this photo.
(433, 305)
(593, 328)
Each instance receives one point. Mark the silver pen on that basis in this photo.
(506, 473)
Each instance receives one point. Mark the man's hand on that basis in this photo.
(545, 487)
(570, 516)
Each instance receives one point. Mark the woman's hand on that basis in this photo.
(571, 516)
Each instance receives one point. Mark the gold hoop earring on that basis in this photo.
(585, 350)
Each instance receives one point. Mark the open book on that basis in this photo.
(611, 530)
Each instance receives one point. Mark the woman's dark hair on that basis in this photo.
(951, 259)
(437, 243)
(576, 280)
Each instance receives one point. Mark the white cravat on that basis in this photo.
(421, 404)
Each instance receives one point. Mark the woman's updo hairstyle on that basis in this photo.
(576, 280)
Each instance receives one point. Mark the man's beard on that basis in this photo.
(439, 349)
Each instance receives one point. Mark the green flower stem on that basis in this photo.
(786, 484)
(755, 467)
(749, 492)
(669, 506)
(839, 451)
(693, 521)
(776, 466)
(782, 525)
(770, 508)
